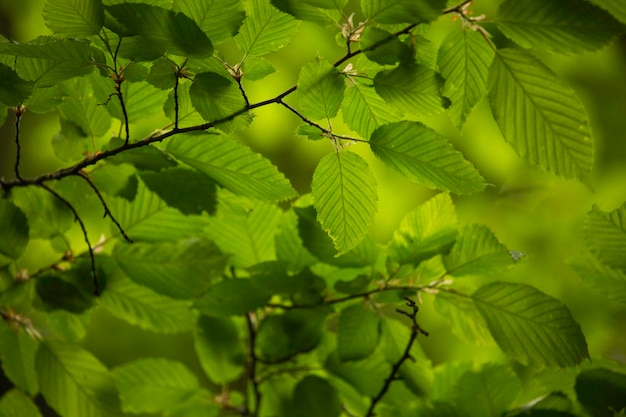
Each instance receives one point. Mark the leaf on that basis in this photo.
(162, 73)
(216, 98)
(412, 88)
(363, 110)
(477, 252)
(147, 218)
(289, 245)
(605, 234)
(153, 385)
(425, 157)
(74, 18)
(601, 391)
(344, 193)
(219, 349)
(530, 326)
(465, 320)
(232, 297)
(265, 30)
(249, 237)
(402, 11)
(315, 397)
(140, 99)
(17, 354)
(47, 216)
(489, 392)
(76, 51)
(74, 382)
(608, 281)
(565, 26)
(14, 226)
(164, 29)
(543, 120)
(232, 165)
(307, 11)
(144, 158)
(357, 332)
(383, 47)
(13, 89)
(142, 307)
(183, 269)
(320, 89)
(616, 8)
(464, 59)
(219, 19)
(15, 403)
(426, 231)
(367, 375)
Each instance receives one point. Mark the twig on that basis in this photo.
(107, 211)
(415, 330)
(19, 111)
(176, 109)
(458, 8)
(252, 369)
(96, 287)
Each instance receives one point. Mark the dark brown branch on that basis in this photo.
(107, 211)
(19, 111)
(415, 330)
(252, 369)
(96, 287)
(458, 8)
(120, 97)
(176, 108)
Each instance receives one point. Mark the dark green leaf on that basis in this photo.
(290, 247)
(14, 228)
(219, 349)
(367, 376)
(616, 8)
(489, 392)
(315, 397)
(402, 11)
(320, 89)
(305, 10)
(601, 391)
(162, 74)
(47, 216)
(17, 354)
(74, 18)
(145, 158)
(219, 19)
(357, 332)
(232, 297)
(13, 89)
(530, 326)
(59, 293)
(76, 51)
(383, 48)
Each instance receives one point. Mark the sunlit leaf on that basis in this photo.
(17, 353)
(344, 193)
(464, 59)
(464, 318)
(68, 50)
(15, 403)
(74, 18)
(363, 110)
(541, 118)
(14, 226)
(289, 245)
(74, 382)
(530, 326)
(402, 11)
(357, 332)
(489, 392)
(315, 397)
(425, 157)
(219, 19)
(568, 26)
(320, 89)
(605, 234)
(307, 11)
(219, 349)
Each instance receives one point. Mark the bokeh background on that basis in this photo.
(528, 210)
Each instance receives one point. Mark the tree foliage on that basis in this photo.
(292, 307)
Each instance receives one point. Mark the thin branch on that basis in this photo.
(415, 330)
(243, 92)
(107, 211)
(458, 8)
(19, 111)
(96, 287)
(252, 368)
(120, 96)
(176, 109)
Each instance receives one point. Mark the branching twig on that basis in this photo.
(107, 211)
(96, 287)
(19, 111)
(415, 330)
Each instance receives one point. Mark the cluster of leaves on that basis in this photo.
(289, 305)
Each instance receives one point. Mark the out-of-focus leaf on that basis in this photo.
(14, 226)
(216, 340)
(15, 403)
(47, 216)
(601, 391)
(320, 89)
(219, 19)
(489, 392)
(402, 11)
(605, 234)
(610, 282)
(308, 11)
(289, 245)
(358, 332)
(232, 297)
(616, 8)
(315, 397)
(74, 18)
(17, 353)
(464, 318)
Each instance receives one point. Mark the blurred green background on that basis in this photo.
(528, 210)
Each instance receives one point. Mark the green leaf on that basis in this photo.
(140, 306)
(216, 97)
(187, 114)
(616, 8)
(477, 252)
(74, 382)
(15, 403)
(47, 216)
(232, 297)
(140, 99)
(13, 89)
(147, 218)
(464, 59)
(344, 193)
(166, 30)
(320, 89)
(248, 237)
(144, 158)
(465, 320)
(429, 230)
(232, 165)
(412, 88)
(74, 18)
(61, 290)
(14, 226)
(608, 281)
(530, 326)
(17, 354)
(162, 73)
(425, 157)
(219, 349)
(601, 391)
(153, 385)
(219, 19)
(182, 269)
(566, 26)
(363, 110)
(489, 392)
(605, 234)
(402, 11)
(367, 375)
(315, 397)
(265, 30)
(383, 47)
(68, 50)
(290, 246)
(357, 332)
(305, 10)
(542, 119)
